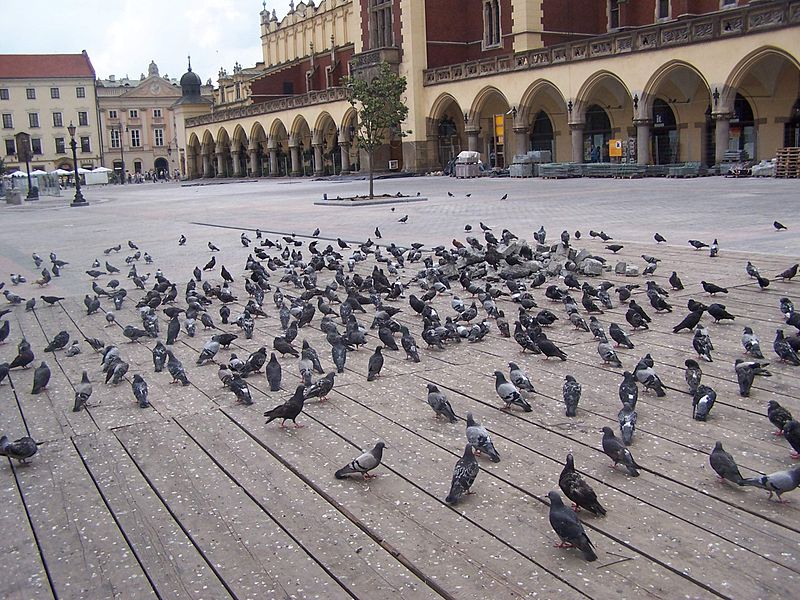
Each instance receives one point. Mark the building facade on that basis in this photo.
(138, 124)
(41, 94)
(659, 81)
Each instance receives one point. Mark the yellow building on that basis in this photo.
(656, 82)
(138, 123)
(41, 94)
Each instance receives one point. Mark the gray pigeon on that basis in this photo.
(702, 343)
(21, 449)
(617, 452)
(606, 352)
(363, 464)
(693, 374)
(273, 371)
(751, 344)
(628, 390)
(568, 528)
(439, 403)
(478, 437)
(139, 386)
(41, 377)
(777, 483)
(321, 387)
(159, 356)
(464, 474)
(208, 352)
(702, 401)
(576, 489)
(572, 395)
(58, 342)
(82, 392)
(375, 364)
(627, 423)
(520, 379)
(509, 393)
(619, 336)
(724, 465)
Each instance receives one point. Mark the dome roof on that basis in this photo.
(190, 78)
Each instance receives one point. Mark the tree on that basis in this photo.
(380, 109)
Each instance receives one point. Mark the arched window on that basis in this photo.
(664, 134)
(596, 134)
(380, 23)
(491, 23)
(542, 133)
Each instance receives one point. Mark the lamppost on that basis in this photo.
(23, 141)
(122, 152)
(79, 199)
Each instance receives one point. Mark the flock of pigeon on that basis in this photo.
(328, 288)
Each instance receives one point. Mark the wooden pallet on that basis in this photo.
(788, 163)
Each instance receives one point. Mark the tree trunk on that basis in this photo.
(371, 189)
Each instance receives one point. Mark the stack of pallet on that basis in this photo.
(788, 164)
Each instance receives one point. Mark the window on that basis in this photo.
(57, 120)
(158, 136)
(11, 147)
(36, 146)
(8, 121)
(662, 9)
(613, 14)
(112, 114)
(114, 137)
(136, 140)
(61, 148)
(83, 118)
(54, 93)
(33, 119)
(133, 113)
(4, 94)
(380, 23)
(491, 23)
(30, 93)
(728, 2)
(80, 92)
(85, 145)
(157, 113)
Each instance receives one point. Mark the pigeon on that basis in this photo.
(777, 483)
(182, 240)
(41, 377)
(646, 375)
(208, 352)
(403, 219)
(784, 350)
(290, 409)
(159, 356)
(58, 342)
(659, 238)
(693, 374)
(619, 336)
(363, 464)
(74, 349)
(724, 465)
(175, 368)
(628, 390)
(139, 387)
(568, 528)
(791, 432)
(751, 344)
(614, 247)
(273, 371)
(520, 379)
(212, 247)
(3, 371)
(281, 345)
(607, 353)
(321, 387)
(778, 416)
(713, 250)
(134, 333)
(576, 489)
(82, 392)
(713, 288)
(464, 474)
(24, 356)
(5, 329)
(239, 387)
(617, 452)
(210, 264)
(675, 281)
(572, 395)
(779, 226)
(375, 364)
(478, 437)
(788, 273)
(627, 423)
(21, 449)
(702, 344)
(702, 401)
(697, 244)
(719, 313)
(439, 403)
(509, 393)
(409, 344)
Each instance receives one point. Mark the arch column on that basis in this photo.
(344, 151)
(219, 151)
(207, 163)
(294, 150)
(191, 164)
(318, 168)
(722, 135)
(252, 154)
(576, 132)
(472, 138)
(520, 139)
(642, 141)
(237, 166)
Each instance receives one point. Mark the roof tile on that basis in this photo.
(30, 66)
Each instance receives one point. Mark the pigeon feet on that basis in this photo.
(296, 426)
(563, 545)
(795, 455)
(779, 432)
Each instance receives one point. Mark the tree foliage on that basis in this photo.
(380, 108)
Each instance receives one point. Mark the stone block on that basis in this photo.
(631, 271)
(592, 267)
(621, 268)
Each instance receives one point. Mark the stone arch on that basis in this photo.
(325, 140)
(489, 118)
(604, 88)
(300, 147)
(224, 156)
(239, 144)
(446, 131)
(679, 75)
(207, 151)
(193, 157)
(257, 153)
(351, 157)
(542, 120)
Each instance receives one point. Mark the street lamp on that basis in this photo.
(23, 143)
(79, 199)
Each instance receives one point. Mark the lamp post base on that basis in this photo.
(79, 200)
(32, 195)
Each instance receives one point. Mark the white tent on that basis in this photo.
(61, 172)
(82, 171)
(102, 170)
(38, 172)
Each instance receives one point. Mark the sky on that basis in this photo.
(123, 36)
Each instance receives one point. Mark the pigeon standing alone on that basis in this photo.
(464, 474)
(568, 528)
(365, 463)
